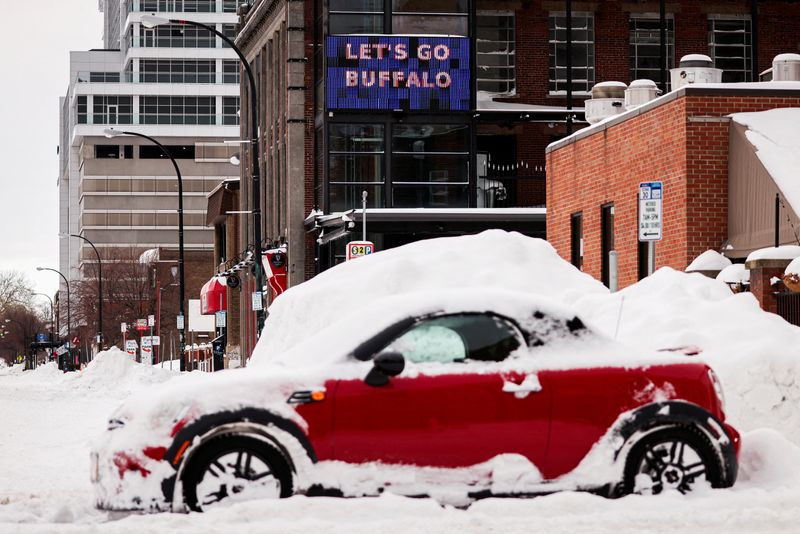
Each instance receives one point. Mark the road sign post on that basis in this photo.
(651, 198)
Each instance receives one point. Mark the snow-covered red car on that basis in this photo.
(491, 394)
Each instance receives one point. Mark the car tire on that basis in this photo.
(234, 468)
(677, 458)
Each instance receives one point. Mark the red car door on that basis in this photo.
(451, 407)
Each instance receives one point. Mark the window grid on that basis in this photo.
(496, 52)
(582, 52)
(645, 47)
(177, 110)
(730, 44)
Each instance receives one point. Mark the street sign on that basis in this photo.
(151, 320)
(221, 319)
(41, 338)
(147, 355)
(151, 341)
(141, 324)
(131, 346)
(123, 327)
(651, 198)
(179, 322)
(257, 301)
(357, 249)
(76, 340)
(62, 350)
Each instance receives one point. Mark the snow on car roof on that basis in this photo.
(435, 270)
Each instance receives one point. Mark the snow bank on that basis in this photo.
(710, 260)
(491, 260)
(776, 138)
(115, 370)
(755, 353)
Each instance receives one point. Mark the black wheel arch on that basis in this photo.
(176, 453)
(682, 414)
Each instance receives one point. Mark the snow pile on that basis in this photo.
(115, 370)
(784, 252)
(776, 138)
(710, 260)
(754, 353)
(734, 274)
(794, 267)
(490, 260)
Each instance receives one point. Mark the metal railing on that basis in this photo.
(789, 306)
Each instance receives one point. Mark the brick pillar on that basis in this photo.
(761, 272)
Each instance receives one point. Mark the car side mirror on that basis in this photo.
(385, 365)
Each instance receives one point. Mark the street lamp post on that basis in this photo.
(151, 21)
(69, 315)
(99, 291)
(110, 132)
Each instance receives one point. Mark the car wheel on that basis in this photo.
(672, 459)
(235, 468)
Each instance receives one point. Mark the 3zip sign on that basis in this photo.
(651, 197)
(357, 249)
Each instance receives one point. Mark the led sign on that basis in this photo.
(384, 72)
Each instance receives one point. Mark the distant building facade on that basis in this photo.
(177, 84)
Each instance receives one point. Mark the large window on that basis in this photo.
(645, 47)
(606, 242)
(437, 17)
(582, 52)
(82, 110)
(496, 52)
(430, 165)
(415, 17)
(179, 6)
(112, 109)
(177, 110)
(230, 110)
(355, 16)
(730, 44)
(174, 36)
(230, 71)
(176, 71)
(356, 164)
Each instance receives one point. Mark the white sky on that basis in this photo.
(34, 71)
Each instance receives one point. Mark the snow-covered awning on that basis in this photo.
(150, 256)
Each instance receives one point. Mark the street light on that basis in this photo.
(110, 132)
(151, 21)
(99, 288)
(69, 315)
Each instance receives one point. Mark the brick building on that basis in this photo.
(465, 152)
(687, 141)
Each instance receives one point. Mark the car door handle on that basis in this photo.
(531, 384)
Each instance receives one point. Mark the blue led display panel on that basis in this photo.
(385, 72)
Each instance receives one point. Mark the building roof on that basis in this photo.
(765, 89)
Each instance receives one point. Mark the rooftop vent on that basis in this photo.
(786, 68)
(640, 92)
(694, 68)
(608, 99)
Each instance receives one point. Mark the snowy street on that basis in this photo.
(44, 487)
(50, 420)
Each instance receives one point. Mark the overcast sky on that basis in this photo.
(34, 71)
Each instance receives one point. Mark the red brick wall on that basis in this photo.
(675, 143)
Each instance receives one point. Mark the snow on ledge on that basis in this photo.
(785, 252)
(736, 273)
(710, 260)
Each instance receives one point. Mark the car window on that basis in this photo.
(457, 338)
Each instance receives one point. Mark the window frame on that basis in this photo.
(747, 46)
(510, 58)
(553, 82)
(633, 46)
